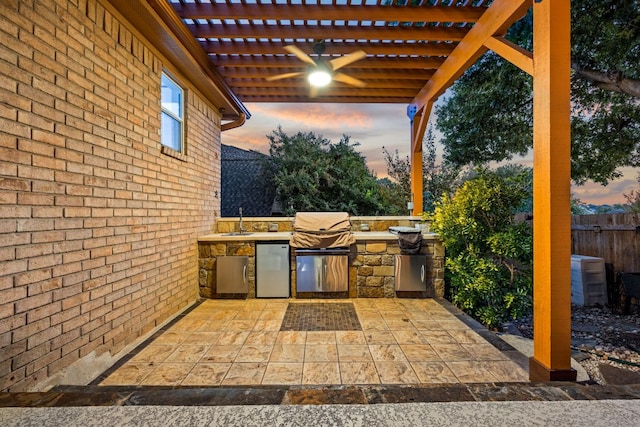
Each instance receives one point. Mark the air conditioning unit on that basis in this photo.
(588, 280)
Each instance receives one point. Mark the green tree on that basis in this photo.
(437, 178)
(312, 174)
(633, 199)
(489, 113)
(489, 256)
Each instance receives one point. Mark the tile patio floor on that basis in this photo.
(239, 342)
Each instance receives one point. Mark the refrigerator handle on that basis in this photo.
(244, 274)
(422, 273)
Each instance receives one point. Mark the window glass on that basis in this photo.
(172, 114)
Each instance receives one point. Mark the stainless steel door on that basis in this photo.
(272, 270)
(410, 273)
(322, 273)
(231, 275)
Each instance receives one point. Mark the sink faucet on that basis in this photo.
(240, 226)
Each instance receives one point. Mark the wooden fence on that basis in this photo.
(614, 237)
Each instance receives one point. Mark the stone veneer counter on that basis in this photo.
(286, 235)
(371, 261)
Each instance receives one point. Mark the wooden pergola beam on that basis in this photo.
(328, 99)
(302, 82)
(293, 62)
(517, 55)
(331, 48)
(358, 73)
(322, 32)
(329, 91)
(495, 21)
(329, 12)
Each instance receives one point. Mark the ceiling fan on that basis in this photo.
(321, 72)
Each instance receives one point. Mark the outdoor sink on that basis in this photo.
(236, 233)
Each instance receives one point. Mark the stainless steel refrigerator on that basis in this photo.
(272, 270)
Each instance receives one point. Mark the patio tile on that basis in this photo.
(205, 374)
(187, 353)
(507, 371)
(379, 337)
(452, 352)
(400, 324)
(447, 324)
(170, 337)
(291, 337)
(168, 374)
(396, 373)
(240, 325)
(205, 338)
(471, 372)
(434, 373)
(245, 374)
(467, 336)
(321, 337)
(438, 337)
(387, 352)
(375, 325)
(272, 315)
(267, 325)
(261, 338)
(426, 325)
(154, 353)
(320, 353)
(350, 337)
(409, 337)
(419, 353)
(129, 374)
(283, 373)
(221, 353)
(321, 373)
(359, 373)
(188, 324)
(485, 352)
(354, 353)
(287, 353)
(254, 353)
(232, 338)
(248, 315)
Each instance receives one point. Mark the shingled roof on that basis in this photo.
(246, 183)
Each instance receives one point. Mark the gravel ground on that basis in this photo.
(599, 335)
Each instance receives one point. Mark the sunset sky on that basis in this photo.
(374, 126)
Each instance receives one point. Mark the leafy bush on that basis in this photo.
(489, 257)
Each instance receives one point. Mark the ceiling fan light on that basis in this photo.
(319, 78)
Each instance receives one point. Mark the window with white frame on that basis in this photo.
(172, 127)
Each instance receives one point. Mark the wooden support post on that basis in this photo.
(551, 359)
(419, 120)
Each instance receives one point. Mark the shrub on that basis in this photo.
(489, 257)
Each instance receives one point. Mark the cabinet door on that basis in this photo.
(410, 273)
(231, 275)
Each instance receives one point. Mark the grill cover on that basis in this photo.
(315, 230)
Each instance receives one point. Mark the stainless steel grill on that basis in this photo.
(322, 241)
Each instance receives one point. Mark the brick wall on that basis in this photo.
(98, 228)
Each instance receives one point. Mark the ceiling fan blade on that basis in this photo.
(341, 77)
(283, 76)
(300, 54)
(345, 60)
(313, 92)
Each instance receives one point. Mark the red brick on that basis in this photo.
(35, 224)
(32, 277)
(23, 332)
(45, 261)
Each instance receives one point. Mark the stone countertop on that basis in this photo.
(286, 235)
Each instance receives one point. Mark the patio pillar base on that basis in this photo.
(539, 372)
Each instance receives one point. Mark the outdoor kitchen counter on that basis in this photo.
(286, 235)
